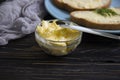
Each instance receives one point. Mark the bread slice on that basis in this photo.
(95, 20)
(73, 5)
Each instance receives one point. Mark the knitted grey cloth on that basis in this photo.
(19, 18)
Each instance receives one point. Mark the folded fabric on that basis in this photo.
(19, 18)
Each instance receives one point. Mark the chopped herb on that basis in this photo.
(106, 12)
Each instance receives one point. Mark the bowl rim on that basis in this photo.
(77, 38)
(62, 41)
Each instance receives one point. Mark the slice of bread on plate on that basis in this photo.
(73, 5)
(105, 18)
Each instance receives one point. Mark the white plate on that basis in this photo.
(64, 15)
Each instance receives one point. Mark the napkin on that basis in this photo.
(19, 18)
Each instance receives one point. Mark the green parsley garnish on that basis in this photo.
(106, 12)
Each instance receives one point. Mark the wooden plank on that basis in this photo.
(37, 69)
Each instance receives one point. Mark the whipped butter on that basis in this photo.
(56, 39)
(52, 31)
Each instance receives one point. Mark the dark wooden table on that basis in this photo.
(96, 58)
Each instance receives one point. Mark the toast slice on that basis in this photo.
(106, 19)
(74, 5)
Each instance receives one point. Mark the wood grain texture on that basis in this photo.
(92, 47)
(96, 58)
(57, 70)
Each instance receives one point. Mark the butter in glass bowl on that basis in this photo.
(56, 40)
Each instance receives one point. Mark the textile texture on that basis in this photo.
(19, 18)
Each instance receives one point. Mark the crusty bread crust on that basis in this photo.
(91, 24)
(69, 8)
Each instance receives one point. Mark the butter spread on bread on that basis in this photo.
(95, 20)
(72, 5)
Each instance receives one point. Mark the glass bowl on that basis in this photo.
(58, 48)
